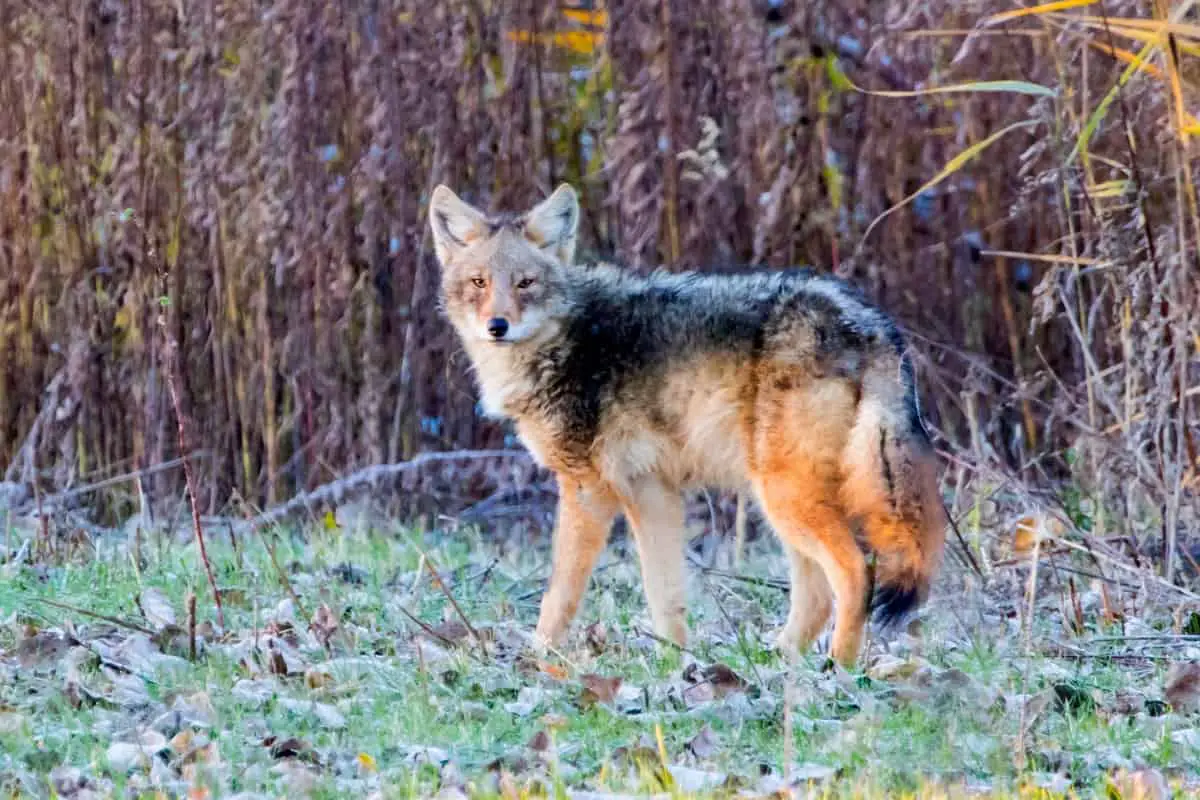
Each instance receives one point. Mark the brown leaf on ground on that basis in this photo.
(276, 664)
(40, 648)
(1035, 707)
(317, 679)
(722, 678)
(70, 783)
(596, 637)
(325, 624)
(597, 689)
(453, 631)
(539, 742)
(710, 683)
(291, 747)
(1182, 688)
(284, 630)
(553, 670)
(512, 763)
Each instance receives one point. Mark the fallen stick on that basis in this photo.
(337, 491)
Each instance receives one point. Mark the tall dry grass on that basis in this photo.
(261, 170)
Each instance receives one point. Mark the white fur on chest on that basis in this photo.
(502, 382)
(504, 388)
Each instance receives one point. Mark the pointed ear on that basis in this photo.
(552, 223)
(455, 223)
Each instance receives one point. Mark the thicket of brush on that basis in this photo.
(233, 195)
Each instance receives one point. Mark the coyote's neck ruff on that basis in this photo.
(632, 388)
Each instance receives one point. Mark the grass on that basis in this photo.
(389, 711)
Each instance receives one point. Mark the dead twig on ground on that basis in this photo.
(133, 626)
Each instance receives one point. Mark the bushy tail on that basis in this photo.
(891, 489)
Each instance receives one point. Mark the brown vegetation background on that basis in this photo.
(233, 194)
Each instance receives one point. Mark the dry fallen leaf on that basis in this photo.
(40, 648)
(452, 631)
(704, 744)
(70, 783)
(325, 624)
(156, 607)
(291, 747)
(12, 721)
(1182, 688)
(253, 693)
(539, 742)
(125, 756)
(276, 663)
(889, 666)
(317, 679)
(722, 679)
(553, 670)
(596, 637)
(597, 689)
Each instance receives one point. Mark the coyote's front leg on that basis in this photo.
(656, 514)
(585, 516)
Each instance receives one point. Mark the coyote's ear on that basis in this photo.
(552, 223)
(455, 223)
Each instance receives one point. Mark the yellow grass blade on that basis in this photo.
(1176, 84)
(1157, 27)
(585, 42)
(1185, 44)
(952, 166)
(1115, 188)
(1050, 257)
(1045, 8)
(598, 19)
(1128, 57)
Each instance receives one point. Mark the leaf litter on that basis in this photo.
(359, 697)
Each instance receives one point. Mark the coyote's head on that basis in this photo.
(502, 277)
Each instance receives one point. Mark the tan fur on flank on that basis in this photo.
(633, 389)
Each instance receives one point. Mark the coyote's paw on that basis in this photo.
(792, 641)
(541, 643)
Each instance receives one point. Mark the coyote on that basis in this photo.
(632, 389)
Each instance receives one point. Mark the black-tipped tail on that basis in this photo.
(892, 604)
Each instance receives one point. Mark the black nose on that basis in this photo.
(497, 327)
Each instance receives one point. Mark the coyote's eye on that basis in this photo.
(525, 283)
(479, 282)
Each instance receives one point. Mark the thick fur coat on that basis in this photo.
(632, 388)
